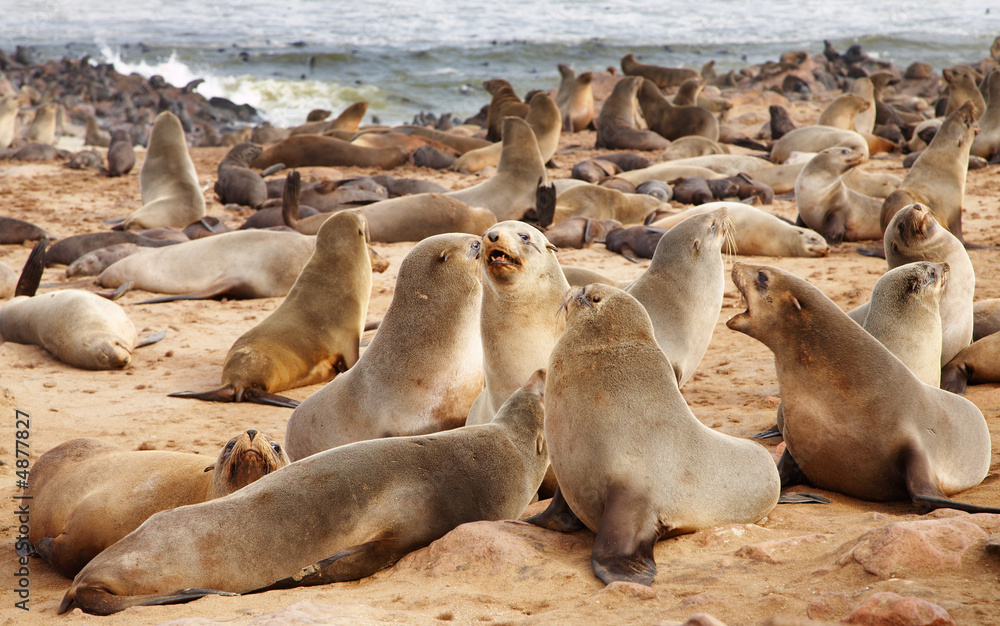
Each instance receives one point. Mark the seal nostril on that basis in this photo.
(493, 236)
(252, 433)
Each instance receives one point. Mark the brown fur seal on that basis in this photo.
(504, 103)
(633, 462)
(121, 154)
(904, 314)
(986, 318)
(937, 179)
(66, 251)
(87, 494)
(96, 261)
(987, 142)
(662, 77)
(543, 118)
(424, 366)
(8, 282)
(841, 112)
(579, 232)
(9, 108)
(510, 192)
(597, 202)
(314, 333)
(318, 150)
(168, 182)
(827, 205)
(864, 119)
(977, 364)
(95, 135)
(348, 120)
(237, 183)
(815, 139)
(856, 420)
(692, 146)
(523, 287)
(43, 127)
(412, 218)
(962, 88)
(616, 125)
(634, 243)
(15, 231)
(378, 500)
(674, 122)
(577, 112)
(757, 232)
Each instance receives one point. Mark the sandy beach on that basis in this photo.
(802, 564)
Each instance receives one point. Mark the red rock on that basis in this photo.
(924, 544)
(828, 605)
(890, 609)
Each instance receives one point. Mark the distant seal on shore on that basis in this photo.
(987, 142)
(616, 126)
(977, 364)
(827, 205)
(121, 154)
(682, 289)
(504, 103)
(67, 250)
(314, 333)
(424, 367)
(9, 108)
(815, 139)
(662, 77)
(633, 462)
(15, 231)
(857, 421)
(579, 232)
(543, 118)
(87, 494)
(96, 261)
(904, 314)
(409, 486)
(510, 192)
(842, 111)
(523, 287)
(674, 122)
(577, 111)
(236, 182)
(168, 182)
(937, 178)
(318, 150)
(43, 127)
(600, 203)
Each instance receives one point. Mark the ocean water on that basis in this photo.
(405, 57)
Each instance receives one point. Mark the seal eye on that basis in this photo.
(595, 299)
(525, 237)
(476, 245)
(229, 448)
(276, 448)
(762, 278)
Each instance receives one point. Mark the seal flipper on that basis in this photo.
(630, 254)
(149, 340)
(545, 203)
(802, 497)
(31, 273)
(228, 393)
(262, 397)
(789, 471)
(875, 252)
(767, 434)
(557, 516)
(924, 488)
(623, 549)
(354, 563)
(228, 287)
(97, 601)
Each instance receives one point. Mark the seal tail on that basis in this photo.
(31, 274)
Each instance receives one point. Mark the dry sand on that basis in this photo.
(499, 572)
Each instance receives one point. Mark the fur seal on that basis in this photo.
(424, 366)
(977, 364)
(616, 126)
(348, 120)
(96, 261)
(682, 288)
(8, 282)
(43, 127)
(15, 231)
(904, 314)
(962, 88)
(543, 118)
(827, 205)
(937, 179)
(237, 183)
(662, 77)
(87, 494)
(577, 111)
(510, 192)
(842, 111)
(692, 146)
(864, 119)
(9, 108)
(987, 142)
(757, 232)
(671, 121)
(815, 139)
(378, 500)
(121, 154)
(415, 217)
(314, 333)
(504, 103)
(597, 202)
(95, 135)
(986, 318)
(66, 251)
(523, 287)
(168, 182)
(319, 150)
(632, 489)
(579, 232)
(634, 243)
(842, 429)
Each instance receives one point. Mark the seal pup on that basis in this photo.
(827, 205)
(168, 182)
(510, 192)
(504, 103)
(682, 288)
(314, 333)
(814, 139)
(856, 420)
(523, 287)
(914, 235)
(378, 501)
(543, 118)
(672, 121)
(937, 178)
(87, 494)
(616, 125)
(633, 462)
(987, 142)
(662, 77)
(121, 154)
(977, 364)
(756, 232)
(424, 367)
(904, 314)
(236, 182)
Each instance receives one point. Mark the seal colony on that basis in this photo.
(722, 407)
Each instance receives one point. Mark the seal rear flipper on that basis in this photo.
(557, 516)
(767, 434)
(149, 340)
(226, 287)
(115, 294)
(98, 601)
(274, 169)
(262, 397)
(222, 394)
(31, 274)
(955, 378)
(802, 497)
(875, 252)
(789, 471)
(354, 563)
(623, 549)
(630, 254)
(924, 488)
(545, 203)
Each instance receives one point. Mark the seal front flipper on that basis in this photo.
(790, 472)
(149, 340)
(31, 273)
(875, 252)
(623, 549)
(557, 516)
(924, 488)
(227, 287)
(767, 434)
(97, 601)
(352, 563)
